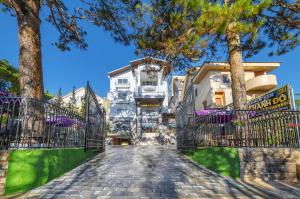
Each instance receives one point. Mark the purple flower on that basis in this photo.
(3, 93)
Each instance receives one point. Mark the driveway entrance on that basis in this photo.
(148, 172)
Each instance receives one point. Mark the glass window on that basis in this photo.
(122, 96)
(122, 81)
(226, 79)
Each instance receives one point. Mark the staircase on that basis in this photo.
(163, 136)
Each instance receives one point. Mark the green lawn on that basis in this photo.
(28, 169)
(224, 161)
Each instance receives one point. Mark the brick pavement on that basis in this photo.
(148, 172)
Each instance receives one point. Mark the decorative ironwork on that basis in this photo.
(95, 120)
(30, 123)
(235, 128)
(185, 121)
(248, 128)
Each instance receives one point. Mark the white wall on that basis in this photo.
(79, 95)
(213, 82)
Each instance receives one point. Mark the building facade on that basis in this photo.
(177, 83)
(212, 83)
(138, 97)
(79, 96)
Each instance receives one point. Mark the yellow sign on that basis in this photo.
(277, 99)
(149, 105)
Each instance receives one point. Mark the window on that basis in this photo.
(219, 98)
(122, 81)
(196, 92)
(226, 79)
(122, 96)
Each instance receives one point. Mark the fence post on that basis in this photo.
(87, 112)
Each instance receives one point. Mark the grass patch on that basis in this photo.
(222, 160)
(28, 169)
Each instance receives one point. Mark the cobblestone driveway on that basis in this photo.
(146, 172)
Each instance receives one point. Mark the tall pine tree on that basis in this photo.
(58, 100)
(185, 31)
(72, 105)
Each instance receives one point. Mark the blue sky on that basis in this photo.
(67, 69)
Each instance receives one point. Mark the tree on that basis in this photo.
(110, 16)
(72, 105)
(83, 106)
(48, 96)
(186, 31)
(9, 77)
(58, 100)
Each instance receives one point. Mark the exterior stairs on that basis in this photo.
(163, 136)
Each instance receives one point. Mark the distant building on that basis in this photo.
(177, 83)
(79, 96)
(138, 96)
(106, 105)
(212, 82)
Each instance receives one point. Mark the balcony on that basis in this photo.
(261, 83)
(150, 93)
(123, 85)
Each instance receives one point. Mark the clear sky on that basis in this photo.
(67, 69)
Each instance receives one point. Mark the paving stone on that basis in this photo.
(145, 172)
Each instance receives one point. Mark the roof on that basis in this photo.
(135, 63)
(224, 66)
(70, 94)
(119, 70)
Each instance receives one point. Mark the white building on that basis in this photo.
(212, 82)
(138, 96)
(177, 84)
(79, 96)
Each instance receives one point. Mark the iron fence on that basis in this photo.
(95, 120)
(30, 123)
(185, 121)
(234, 128)
(248, 128)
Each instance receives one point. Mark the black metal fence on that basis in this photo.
(95, 120)
(185, 121)
(235, 128)
(30, 123)
(248, 128)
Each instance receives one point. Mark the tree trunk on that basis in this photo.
(31, 76)
(30, 57)
(238, 85)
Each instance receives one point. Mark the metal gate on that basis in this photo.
(95, 122)
(185, 121)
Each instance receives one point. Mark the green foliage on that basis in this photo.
(183, 31)
(72, 103)
(224, 161)
(83, 107)
(58, 100)
(48, 95)
(9, 77)
(28, 169)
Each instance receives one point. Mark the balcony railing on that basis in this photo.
(122, 85)
(261, 83)
(149, 95)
